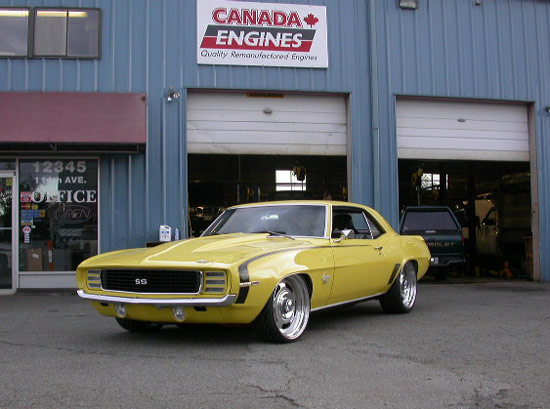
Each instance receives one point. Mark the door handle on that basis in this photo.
(379, 248)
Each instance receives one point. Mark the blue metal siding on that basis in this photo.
(452, 48)
(149, 46)
(446, 48)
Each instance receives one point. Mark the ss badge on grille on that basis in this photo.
(141, 281)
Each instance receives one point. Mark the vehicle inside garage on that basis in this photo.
(474, 156)
(491, 201)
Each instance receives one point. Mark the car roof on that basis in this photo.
(300, 202)
(427, 208)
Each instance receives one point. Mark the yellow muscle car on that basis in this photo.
(266, 264)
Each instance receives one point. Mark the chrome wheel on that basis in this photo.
(401, 296)
(286, 314)
(291, 307)
(407, 286)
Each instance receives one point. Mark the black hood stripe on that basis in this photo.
(245, 277)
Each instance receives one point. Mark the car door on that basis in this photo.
(363, 261)
(486, 240)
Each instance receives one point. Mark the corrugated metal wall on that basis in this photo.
(446, 48)
(452, 48)
(149, 46)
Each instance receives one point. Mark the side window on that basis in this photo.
(362, 230)
(352, 219)
(375, 228)
(491, 218)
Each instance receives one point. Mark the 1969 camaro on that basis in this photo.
(266, 264)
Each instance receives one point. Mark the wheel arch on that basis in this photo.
(308, 280)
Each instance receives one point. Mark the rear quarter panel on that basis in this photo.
(414, 248)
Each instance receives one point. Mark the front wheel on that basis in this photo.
(401, 296)
(286, 314)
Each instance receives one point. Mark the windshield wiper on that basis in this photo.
(280, 233)
(276, 233)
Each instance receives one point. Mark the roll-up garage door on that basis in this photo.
(267, 124)
(430, 129)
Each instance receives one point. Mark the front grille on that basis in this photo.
(215, 282)
(152, 281)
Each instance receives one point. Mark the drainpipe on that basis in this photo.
(375, 119)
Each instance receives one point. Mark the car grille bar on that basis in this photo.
(152, 281)
(215, 282)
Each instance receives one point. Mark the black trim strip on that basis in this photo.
(245, 277)
(394, 273)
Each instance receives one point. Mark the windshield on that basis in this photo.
(293, 220)
(436, 220)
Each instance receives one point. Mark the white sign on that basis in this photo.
(267, 34)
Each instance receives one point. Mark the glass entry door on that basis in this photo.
(6, 231)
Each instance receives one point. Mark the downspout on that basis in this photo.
(183, 167)
(375, 119)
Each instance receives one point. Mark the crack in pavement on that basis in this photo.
(115, 353)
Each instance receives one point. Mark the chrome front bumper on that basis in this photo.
(165, 302)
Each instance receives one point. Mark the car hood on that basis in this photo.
(224, 249)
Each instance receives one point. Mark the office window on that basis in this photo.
(50, 32)
(14, 23)
(58, 213)
(83, 33)
(66, 33)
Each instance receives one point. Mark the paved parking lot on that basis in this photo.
(464, 346)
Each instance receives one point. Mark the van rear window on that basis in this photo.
(428, 220)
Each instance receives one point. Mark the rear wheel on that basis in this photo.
(286, 314)
(401, 296)
(138, 326)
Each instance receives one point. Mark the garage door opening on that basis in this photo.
(255, 146)
(475, 157)
(219, 181)
(491, 201)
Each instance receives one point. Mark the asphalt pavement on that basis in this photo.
(484, 345)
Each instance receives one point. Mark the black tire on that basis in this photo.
(401, 297)
(138, 326)
(286, 314)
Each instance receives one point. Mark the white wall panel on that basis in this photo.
(429, 129)
(235, 123)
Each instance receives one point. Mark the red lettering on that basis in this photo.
(219, 15)
(265, 18)
(249, 17)
(294, 20)
(234, 17)
(279, 18)
(256, 17)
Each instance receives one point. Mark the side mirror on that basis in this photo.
(344, 234)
